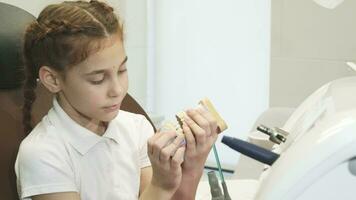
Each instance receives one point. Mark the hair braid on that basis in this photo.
(32, 33)
(104, 7)
(62, 27)
(30, 96)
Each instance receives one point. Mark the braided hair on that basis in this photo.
(64, 34)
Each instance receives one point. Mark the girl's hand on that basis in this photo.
(200, 130)
(166, 155)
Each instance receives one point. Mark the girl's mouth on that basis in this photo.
(112, 108)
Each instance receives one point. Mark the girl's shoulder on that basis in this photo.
(42, 140)
(135, 124)
(126, 114)
(129, 118)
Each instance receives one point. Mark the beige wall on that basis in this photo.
(309, 47)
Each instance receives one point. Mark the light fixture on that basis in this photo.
(330, 4)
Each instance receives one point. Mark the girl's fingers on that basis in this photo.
(189, 137)
(209, 117)
(167, 152)
(199, 119)
(158, 143)
(151, 140)
(178, 158)
(198, 132)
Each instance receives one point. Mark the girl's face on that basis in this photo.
(94, 89)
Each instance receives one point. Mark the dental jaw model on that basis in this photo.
(205, 104)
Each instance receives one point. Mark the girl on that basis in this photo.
(85, 147)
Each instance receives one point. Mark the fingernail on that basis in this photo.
(183, 142)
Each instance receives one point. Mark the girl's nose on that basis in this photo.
(115, 88)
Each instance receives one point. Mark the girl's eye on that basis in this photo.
(97, 82)
(122, 71)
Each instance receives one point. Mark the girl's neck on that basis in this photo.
(96, 126)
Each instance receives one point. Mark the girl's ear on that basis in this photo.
(50, 79)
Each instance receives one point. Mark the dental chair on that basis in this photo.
(13, 22)
(318, 158)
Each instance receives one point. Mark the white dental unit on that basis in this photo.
(318, 158)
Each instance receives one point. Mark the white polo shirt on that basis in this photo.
(59, 155)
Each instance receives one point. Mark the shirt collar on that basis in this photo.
(80, 138)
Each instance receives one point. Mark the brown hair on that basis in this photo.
(64, 34)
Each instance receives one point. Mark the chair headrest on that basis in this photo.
(13, 23)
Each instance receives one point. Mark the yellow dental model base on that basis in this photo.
(219, 120)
